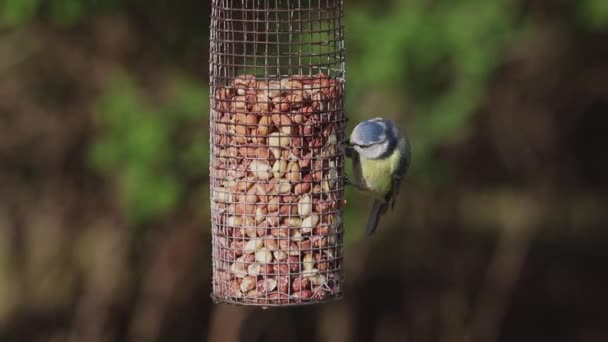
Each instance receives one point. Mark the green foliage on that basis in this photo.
(15, 12)
(594, 13)
(67, 12)
(432, 58)
(147, 147)
(59, 12)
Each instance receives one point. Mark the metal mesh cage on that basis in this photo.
(277, 154)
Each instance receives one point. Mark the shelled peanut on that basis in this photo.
(276, 172)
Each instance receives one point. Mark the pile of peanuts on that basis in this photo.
(276, 189)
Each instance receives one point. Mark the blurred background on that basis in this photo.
(500, 231)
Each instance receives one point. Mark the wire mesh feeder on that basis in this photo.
(277, 154)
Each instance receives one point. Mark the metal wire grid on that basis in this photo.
(277, 156)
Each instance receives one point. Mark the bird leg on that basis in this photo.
(348, 182)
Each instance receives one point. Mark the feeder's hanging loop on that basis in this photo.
(277, 128)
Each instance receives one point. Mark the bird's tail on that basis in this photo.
(378, 209)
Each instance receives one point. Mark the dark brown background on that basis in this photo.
(500, 231)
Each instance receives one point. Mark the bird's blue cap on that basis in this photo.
(369, 132)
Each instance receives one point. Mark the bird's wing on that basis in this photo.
(402, 168)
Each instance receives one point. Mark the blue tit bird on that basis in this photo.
(380, 154)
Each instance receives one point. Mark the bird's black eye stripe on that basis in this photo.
(361, 145)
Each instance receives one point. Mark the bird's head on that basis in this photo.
(375, 138)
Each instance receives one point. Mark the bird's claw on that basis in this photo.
(348, 182)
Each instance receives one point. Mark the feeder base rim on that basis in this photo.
(217, 300)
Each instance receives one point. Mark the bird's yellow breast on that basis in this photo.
(377, 173)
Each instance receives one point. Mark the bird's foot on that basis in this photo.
(348, 182)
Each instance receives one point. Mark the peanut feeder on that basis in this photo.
(277, 154)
